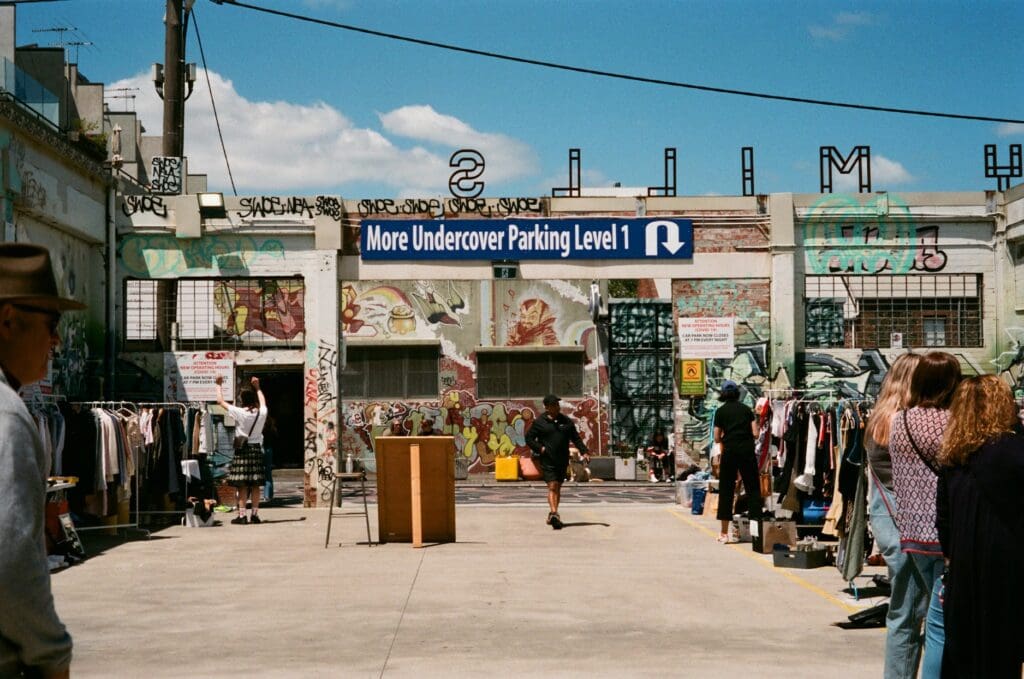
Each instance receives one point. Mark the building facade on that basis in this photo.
(822, 292)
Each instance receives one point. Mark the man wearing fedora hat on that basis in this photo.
(33, 641)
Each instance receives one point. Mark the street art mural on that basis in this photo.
(525, 313)
(483, 430)
(163, 256)
(541, 313)
(418, 310)
(1010, 364)
(273, 307)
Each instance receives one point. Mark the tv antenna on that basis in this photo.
(76, 44)
(126, 93)
(59, 30)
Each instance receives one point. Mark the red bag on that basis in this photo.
(529, 469)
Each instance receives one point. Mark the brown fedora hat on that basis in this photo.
(26, 276)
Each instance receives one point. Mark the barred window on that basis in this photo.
(391, 371)
(865, 311)
(529, 373)
(140, 310)
(222, 313)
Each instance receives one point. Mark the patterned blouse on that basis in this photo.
(913, 481)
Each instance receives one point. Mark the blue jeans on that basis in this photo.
(934, 635)
(268, 472)
(908, 598)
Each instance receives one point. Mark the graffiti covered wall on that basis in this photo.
(877, 277)
(461, 316)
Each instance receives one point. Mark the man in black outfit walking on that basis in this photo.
(549, 438)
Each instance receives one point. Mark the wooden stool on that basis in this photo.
(339, 480)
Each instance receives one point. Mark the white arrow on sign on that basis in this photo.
(671, 242)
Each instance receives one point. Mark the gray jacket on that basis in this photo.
(31, 634)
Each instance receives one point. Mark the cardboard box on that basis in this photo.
(711, 504)
(767, 533)
(787, 558)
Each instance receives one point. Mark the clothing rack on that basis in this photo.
(128, 405)
(183, 408)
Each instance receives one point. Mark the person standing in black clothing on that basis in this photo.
(549, 437)
(736, 430)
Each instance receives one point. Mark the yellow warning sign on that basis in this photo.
(691, 377)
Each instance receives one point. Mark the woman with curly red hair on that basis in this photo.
(981, 527)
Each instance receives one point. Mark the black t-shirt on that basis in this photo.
(554, 436)
(734, 419)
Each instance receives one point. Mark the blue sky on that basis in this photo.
(311, 109)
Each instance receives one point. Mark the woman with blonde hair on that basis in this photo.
(981, 527)
(907, 600)
(915, 437)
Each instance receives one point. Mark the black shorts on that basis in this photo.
(553, 470)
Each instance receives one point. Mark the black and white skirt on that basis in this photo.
(247, 466)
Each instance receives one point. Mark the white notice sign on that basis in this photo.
(191, 376)
(707, 337)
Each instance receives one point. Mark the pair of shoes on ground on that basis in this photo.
(243, 520)
(727, 539)
(554, 520)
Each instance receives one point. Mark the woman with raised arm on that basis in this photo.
(246, 473)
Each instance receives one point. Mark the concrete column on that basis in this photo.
(322, 404)
(786, 289)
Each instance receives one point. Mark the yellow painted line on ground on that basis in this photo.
(744, 548)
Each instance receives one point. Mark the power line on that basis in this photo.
(216, 118)
(619, 76)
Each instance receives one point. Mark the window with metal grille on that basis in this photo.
(222, 313)
(865, 311)
(529, 373)
(391, 371)
(140, 311)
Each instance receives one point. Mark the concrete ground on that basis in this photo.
(626, 589)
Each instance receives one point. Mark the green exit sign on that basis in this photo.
(506, 270)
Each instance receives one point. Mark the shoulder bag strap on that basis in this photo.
(257, 420)
(928, 463)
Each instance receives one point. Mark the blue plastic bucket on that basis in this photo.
(698, 500)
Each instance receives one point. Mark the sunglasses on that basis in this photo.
(52, 317)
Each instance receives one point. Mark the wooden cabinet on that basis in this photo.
(437, 488)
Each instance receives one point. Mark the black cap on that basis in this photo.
(551, 399)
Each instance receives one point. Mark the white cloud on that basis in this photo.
(884, 173)
(1010, 129)
(282, 147)
(505, 157)
(842, 25)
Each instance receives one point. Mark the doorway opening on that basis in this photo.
(283, 390)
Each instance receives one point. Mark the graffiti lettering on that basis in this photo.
(274, 206)
(144, 203)
(437, 208)
(929, 257)
(327, 363)
(166, 174)
(329, 206)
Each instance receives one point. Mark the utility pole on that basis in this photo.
(173, 94)
(174, 81)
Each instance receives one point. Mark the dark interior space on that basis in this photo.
(283, 390)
